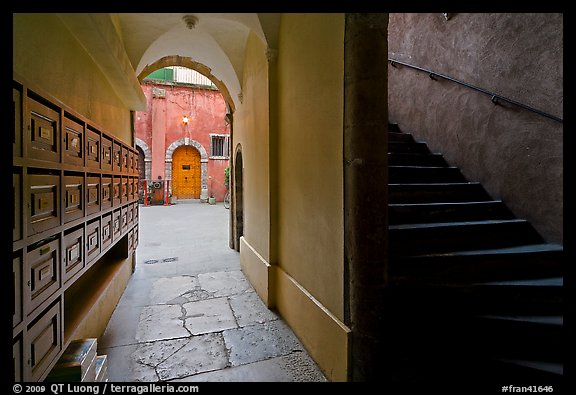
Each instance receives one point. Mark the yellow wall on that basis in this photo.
(311, 75)
(251, 128)
(46, 54)
(310, 273)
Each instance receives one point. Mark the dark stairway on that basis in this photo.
(476, 293)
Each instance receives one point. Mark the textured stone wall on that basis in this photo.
(516, 155)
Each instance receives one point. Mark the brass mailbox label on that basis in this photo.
(92, 240)
(46, 271)
(45, 133)
(73, 253)
(44, 201)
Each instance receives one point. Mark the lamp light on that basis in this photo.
(185, 120)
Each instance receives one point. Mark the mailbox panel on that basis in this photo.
(17, 287)
(43, 197)
(106, 192)
(17, 134)
(116, 224)
(17, 218)
(73, 198)
(43, 137)
(45, 336)
(106, 230)
(124, 219)
(106, 153)
(92, 194)
(116, 157)
(92, 150)
(42, 272)
(73, 142)
(73, 253)
(116, 181)
(92, 240)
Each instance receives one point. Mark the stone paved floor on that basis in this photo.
(188, 312)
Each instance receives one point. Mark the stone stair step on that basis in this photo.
(419, 174)
(409, 159)
(437, 193)
(494, 264)
(458, 236)
(400, 137)
(416, 147)
(447, 212)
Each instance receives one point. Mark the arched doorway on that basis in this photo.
(186, 173)
(238, 199)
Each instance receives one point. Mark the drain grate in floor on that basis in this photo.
(153, 261)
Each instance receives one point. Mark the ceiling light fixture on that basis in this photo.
(190, 21)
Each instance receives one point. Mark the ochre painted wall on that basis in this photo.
(161, 125)
(310, 273)
(251, 128)
(516, 155)
(310, 74)
(46, 54)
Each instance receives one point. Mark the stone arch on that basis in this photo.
(203, 163)
(191, 64)
(147, 157)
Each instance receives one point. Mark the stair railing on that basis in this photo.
(496, 99)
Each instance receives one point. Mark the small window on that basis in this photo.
(219, 146)
(185, 167)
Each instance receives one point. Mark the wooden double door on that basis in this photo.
(186, 173)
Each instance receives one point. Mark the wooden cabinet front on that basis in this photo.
(92, 240)
(42, 272)
(43, 202)
(73, 142)
(17, 288)
(92, 194)
(73, 253)
(45, 341)
(73, 199)
(43, 139)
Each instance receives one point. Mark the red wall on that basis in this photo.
(161, 124)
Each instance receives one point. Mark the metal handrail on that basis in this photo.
(494, 97)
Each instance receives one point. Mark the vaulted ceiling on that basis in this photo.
(214, 40)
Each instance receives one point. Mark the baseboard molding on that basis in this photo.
(258, 271)
(323, 335)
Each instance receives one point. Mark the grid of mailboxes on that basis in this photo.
(75, 221)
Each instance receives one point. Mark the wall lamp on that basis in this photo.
(185, 120)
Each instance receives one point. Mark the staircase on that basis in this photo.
(476, 293)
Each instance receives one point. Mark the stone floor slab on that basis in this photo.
(122, 327)
(201, 354)
(224, 283)
(249, 309)
(297, 366)
(211, 315)
(169, 290)
(161, 322)
(122, 366)
(259, 342)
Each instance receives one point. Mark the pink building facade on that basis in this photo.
(183, 137)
